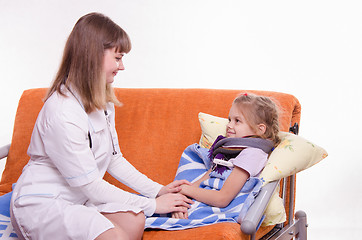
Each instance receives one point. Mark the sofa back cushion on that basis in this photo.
(154, 126)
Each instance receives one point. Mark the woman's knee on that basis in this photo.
(140, 219)
(137, 226)
(122, 221)
(112, 234)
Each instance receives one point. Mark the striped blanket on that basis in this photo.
(193, 164)
(6, 229)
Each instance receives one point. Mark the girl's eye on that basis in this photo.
(118, 59)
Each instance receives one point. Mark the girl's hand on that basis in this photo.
(173, 187)
(187, 190)
(180, 215)
(172, 202)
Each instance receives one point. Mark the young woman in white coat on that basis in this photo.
(61, 193)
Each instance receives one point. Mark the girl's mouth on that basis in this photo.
(229, 133)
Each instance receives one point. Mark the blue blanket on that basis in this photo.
(6, 229)
(193, 164)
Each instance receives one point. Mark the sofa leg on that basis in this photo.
(301, 218)
(297, 230)
(252, 236)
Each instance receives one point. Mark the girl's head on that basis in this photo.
(253, 115)
(94, 40)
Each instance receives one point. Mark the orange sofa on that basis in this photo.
(154, 127)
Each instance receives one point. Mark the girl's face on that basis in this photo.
(112, 63)
(237, 126)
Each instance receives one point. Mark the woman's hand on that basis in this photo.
(173, 187)
(180, 215)
(172, 202)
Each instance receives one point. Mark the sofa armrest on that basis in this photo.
(4, 150)
(252, 218)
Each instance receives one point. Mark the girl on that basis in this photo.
(61, 193)
(251, 134)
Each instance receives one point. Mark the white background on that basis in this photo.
(311, 49)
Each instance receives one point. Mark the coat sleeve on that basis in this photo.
(100, 191)
(124, 172)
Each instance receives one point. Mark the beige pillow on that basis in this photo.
(211, 128)
(275, 211)
(292, 155)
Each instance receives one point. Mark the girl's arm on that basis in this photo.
(225, 195)
(203, 178)
(173, 187)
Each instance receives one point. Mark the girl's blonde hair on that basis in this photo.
(82, 62)
(260, 110)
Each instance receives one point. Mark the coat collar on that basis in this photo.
(97, 119)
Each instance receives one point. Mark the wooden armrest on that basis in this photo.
(4, 150)
(252, 218)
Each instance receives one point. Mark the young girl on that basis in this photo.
(61, 193)
(251, 135)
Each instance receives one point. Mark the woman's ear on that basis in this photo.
(261, 128)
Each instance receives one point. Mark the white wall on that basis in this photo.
(311, 49)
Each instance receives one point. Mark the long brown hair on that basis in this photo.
(82, 62)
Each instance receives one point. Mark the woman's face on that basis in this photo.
(112, 63)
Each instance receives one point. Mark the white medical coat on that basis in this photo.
(61, 161)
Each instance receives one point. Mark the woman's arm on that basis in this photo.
(100, 191)
(184, 215)
(225, 195)
(127, 174)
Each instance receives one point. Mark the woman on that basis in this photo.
(61, 193)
